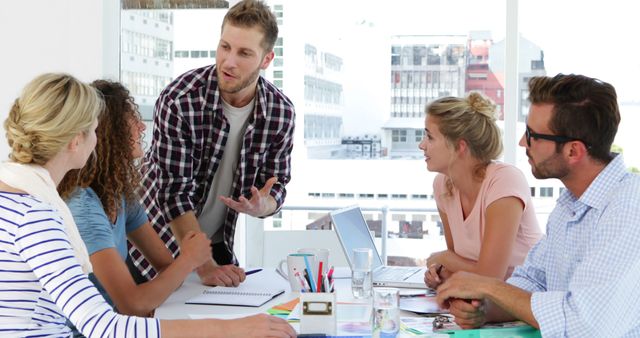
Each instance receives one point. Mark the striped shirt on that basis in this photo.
(591, 249)
(190, 132)
(42, 284)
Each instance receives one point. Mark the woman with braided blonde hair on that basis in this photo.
(51, 130)
(485, 205)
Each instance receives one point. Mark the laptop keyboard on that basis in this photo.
(388, 273)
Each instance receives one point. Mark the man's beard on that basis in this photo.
(552, 167)
(242, 85)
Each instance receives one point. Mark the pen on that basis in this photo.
(307, 288)
(307, 281)
(319, 277)
(312, 283)
(250, 272)
(326, 284)
(303, 283)
(413, 296)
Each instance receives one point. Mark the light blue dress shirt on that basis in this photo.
(591, 249)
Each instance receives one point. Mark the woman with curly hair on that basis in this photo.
(485, 206)
(51, 130)
(102, 200)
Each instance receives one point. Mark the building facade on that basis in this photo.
(423, 68)
(480, 77)
(146, 57)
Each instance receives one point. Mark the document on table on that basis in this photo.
(422, 304)
(256, 290)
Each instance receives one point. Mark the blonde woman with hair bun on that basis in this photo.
(485, 206)
(51, 130)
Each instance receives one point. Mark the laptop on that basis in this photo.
(353, 232)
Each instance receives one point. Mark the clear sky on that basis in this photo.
(589, 37)
(594, 38)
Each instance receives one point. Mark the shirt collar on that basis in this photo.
(596, 195)
(261, 96)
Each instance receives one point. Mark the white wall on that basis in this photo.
(80, 37)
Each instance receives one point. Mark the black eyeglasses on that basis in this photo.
(555, 138)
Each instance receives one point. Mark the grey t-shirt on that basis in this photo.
(211, 218)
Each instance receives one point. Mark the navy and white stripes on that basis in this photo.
(42, 284)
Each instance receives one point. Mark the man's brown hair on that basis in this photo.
(251, 13)
(584, 109)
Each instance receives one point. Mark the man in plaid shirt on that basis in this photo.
(222, 141)
(566, 285)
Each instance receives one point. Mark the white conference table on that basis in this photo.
(175, 308)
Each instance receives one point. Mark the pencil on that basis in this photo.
(319, 277)
(311, 281)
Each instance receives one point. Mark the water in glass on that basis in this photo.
(386, 314)
(361, 283)
(386, 323)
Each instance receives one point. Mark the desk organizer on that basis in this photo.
(318, 313)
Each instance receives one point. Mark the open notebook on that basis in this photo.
(256, 290)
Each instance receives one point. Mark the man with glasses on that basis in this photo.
(528, 134)
(565, 286)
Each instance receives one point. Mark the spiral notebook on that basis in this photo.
(255, 291)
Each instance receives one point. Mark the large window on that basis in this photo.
(361, 79)
(595, 43)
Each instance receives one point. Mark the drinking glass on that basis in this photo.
(386, 314)
(361, 275)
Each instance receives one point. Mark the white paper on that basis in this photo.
(256, 290)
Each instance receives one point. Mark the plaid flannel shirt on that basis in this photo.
(189, 137)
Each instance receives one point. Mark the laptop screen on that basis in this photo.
(353, 232)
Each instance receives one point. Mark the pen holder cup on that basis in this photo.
(318, 313)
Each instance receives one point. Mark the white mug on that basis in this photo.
(296, 265)
(322, 255)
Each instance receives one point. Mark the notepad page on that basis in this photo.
(240, 296)
(256, 290)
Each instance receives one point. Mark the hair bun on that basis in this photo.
(482, 105)
(20, 141)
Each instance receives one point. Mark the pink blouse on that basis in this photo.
(501, 180)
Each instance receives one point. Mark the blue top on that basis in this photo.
(97, 231)
(590, 254)
(42, 284)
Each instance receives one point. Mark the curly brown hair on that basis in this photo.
(112, 172)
